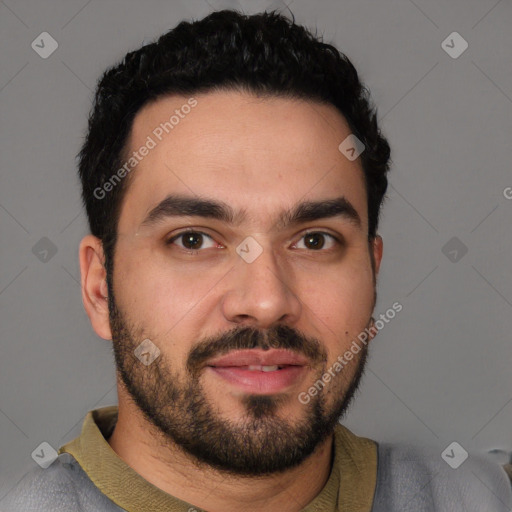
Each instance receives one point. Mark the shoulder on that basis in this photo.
(63, 486)
(421, 479)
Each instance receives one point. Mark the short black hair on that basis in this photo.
(265, 54)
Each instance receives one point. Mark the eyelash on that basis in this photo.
(197, 251)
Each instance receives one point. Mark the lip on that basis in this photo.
(260, 382)
(257, 357)
(233, 369)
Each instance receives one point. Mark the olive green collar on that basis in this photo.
(350, 487)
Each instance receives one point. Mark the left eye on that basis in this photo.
(314, 238)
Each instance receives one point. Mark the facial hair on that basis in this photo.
(262, 443)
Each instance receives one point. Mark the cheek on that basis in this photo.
(168, 303)
(154, 287)
(340, 307)
(342, 299)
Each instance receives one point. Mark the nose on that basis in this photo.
(260, 294)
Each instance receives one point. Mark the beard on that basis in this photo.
(261, 443)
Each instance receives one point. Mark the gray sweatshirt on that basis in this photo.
(365, 476)
(408, 480)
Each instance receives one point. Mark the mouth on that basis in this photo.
(260, 372)
(261, 368)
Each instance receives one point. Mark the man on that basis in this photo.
(233, 174)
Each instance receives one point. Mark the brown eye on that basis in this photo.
(191, 240)
(315, 240)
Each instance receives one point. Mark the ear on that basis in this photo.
(94, 285)
(377, 249)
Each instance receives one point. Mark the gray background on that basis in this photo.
(439, 372)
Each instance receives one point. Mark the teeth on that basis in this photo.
(264, 368)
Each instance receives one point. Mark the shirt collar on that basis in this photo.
(350, 486)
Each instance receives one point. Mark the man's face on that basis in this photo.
(295, 293)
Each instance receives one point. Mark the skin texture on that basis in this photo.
(261, 155)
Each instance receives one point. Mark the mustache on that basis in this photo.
(278, 337)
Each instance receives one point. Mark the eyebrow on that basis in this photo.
(188, 206)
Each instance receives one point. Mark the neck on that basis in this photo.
(140, 446)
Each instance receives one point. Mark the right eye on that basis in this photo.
(192, 241)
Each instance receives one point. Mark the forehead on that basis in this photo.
(258, 154)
